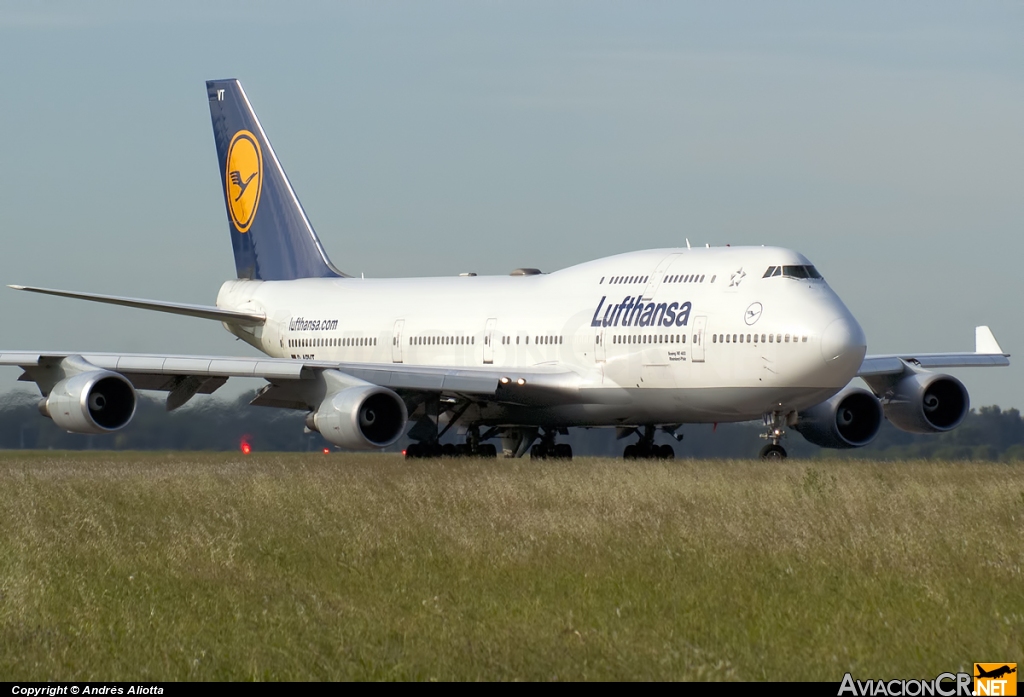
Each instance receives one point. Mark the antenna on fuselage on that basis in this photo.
(687, 242)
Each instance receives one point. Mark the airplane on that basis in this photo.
(643, 342)
(995, 672)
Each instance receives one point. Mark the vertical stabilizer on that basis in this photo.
(271, 236)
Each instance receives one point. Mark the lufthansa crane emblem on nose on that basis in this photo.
(753, 313)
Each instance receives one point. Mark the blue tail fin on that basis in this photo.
(272, 238)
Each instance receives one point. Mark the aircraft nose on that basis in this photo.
(843, 341)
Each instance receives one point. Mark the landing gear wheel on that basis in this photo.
(665, 452)
(487, 450)
(413, 452)
(629, 453)
(773, 452)
(538, 452)
(563, 451)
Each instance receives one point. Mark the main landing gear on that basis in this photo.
(775, 423)
(646, 449)
(471, 448)
(434, 449)
(548, 449)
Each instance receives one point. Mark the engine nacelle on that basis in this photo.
(361, 417)
(98, 401)
(850, 419)
(927, 403)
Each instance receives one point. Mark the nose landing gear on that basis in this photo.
(775, 423)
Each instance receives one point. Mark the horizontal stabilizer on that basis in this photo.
(243, 319)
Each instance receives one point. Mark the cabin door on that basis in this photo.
(489, 341)
(659, 273)
(697, 341)
(396, 341)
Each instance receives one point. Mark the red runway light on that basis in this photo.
(327, 451)
(246, 448)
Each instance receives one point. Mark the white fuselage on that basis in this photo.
(657, 336)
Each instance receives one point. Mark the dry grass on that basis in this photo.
(133, 566)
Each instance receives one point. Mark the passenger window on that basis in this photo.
(787, 338)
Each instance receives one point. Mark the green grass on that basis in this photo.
(130, 566)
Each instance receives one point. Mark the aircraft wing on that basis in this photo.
(184, 376)
(987, 352)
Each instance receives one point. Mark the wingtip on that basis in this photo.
(15, 286)
(985, 341)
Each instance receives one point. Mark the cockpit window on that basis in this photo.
(792, 272)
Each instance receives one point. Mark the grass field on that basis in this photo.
(131, 566)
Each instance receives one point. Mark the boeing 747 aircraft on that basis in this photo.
(641, 341)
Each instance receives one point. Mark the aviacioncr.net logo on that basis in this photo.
(244, 179)
(945, 685)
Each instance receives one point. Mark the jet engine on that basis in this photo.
(98, 401)
(927, 403)
(364, 417)
(850, 419)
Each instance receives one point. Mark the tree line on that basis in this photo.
(989, 433)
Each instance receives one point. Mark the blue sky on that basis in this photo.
(883, 140)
